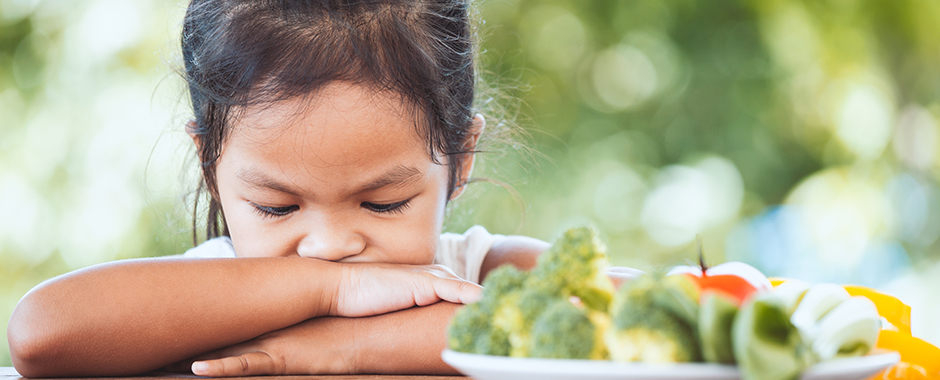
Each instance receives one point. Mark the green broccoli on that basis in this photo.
(514, 302)
(565, 331)
(654, 321)
(471, 331)
(501, 294)
(467, 326)
(500, 282)
(651, 336)
(501, 322)
(528, 305)
(477, 328)
(575, 265)
(493, 342)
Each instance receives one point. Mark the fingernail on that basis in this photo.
(200, 367)
(473, 297)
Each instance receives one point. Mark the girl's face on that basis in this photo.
(342, 177)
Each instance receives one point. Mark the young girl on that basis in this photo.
(331, 134)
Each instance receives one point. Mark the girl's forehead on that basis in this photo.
(355, 103)
(343, 124)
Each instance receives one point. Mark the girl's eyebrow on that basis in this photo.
(399, 175)
(255, 178)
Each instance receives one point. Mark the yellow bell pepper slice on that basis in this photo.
(919, 359)
(891, 308)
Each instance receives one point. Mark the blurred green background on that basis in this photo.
(798, 136)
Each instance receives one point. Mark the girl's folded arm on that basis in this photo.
(133, 316)
(404, 342)
(520, 251)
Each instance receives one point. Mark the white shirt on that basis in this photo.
(463, 254)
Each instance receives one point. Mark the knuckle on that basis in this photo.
(278, 364)
(244, 363)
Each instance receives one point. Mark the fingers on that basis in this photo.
(456, 290)
(248, 364)
(619, 275)
(371, 289)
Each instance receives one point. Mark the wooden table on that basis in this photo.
(8, 373)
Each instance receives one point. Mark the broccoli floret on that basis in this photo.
(494, 342)
(677, 295)
(501, 294)
(513, 302)
(651, 336)
(575, 265)
(471, 330)
(501, 281)
(565, 331)
(469, 324)
(653, 322)
(476, 328)
(521, 313)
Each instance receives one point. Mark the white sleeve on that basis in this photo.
(464, 254)
(220, 247)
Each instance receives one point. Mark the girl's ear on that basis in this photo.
(191, 131)
(466, 165)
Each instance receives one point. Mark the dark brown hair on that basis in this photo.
(248, 52)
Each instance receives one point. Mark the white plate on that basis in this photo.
(486, 367)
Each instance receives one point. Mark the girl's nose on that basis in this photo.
(328, 241)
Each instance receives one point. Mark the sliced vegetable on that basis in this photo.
(792, 293)
(716, 317)
(818, 301)
(850, 329)
(892, 309)
(735, 279)
(766, 345)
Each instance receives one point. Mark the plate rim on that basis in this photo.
(510, 365)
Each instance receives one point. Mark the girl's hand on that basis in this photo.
(404, 342)
(620, 275)
(316, 346)
(372, 289)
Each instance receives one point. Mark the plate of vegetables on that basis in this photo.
(489, 367)
(564, 320)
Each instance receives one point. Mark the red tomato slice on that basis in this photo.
(735, 287)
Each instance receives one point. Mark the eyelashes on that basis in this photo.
(273, 212)
(390, 208)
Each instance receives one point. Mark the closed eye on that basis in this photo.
(272, 212)
(390, 208)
